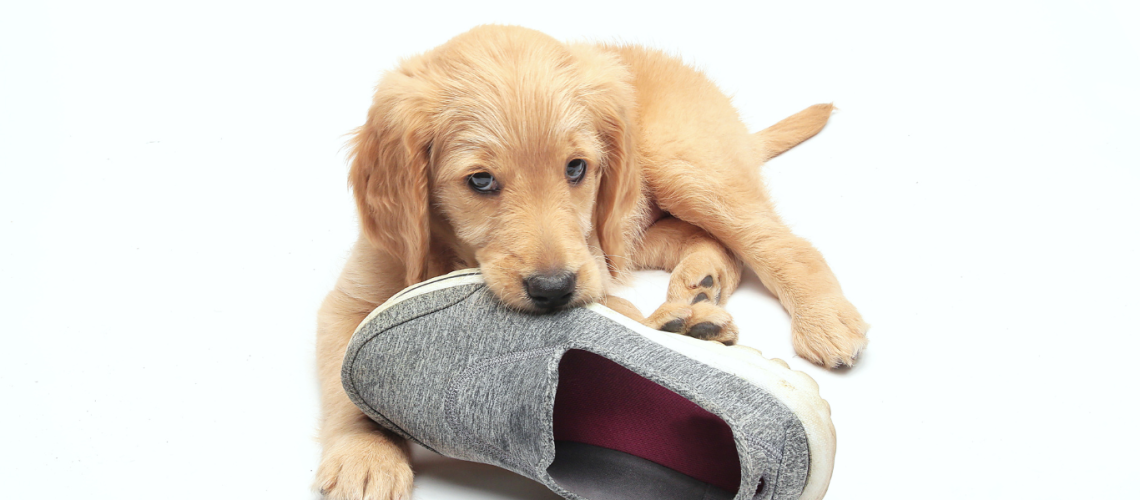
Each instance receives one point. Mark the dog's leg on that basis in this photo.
(623, 307)
(359, 459)
(826, 328)
(703, 275)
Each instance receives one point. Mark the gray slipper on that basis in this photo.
(586, 401)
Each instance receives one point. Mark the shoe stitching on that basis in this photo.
(451, 412)
(432, 281)
(355, 393)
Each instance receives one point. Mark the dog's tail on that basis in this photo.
(772, 141)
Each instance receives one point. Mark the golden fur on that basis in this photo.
(672, 182)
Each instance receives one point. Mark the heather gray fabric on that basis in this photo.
(458, 373)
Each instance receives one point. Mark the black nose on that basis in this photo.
(551, 289)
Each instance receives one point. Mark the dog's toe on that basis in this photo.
(364, 466)
(704, 330)
(701, 319)
(673, 326)
(830, 333)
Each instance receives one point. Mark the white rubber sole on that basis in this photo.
(795, 389)
(455, 278)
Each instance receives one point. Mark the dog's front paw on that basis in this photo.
(702, 320)
(364, 466)
(829, 332)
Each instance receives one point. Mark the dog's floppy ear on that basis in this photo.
(389, 174)
(619, 209)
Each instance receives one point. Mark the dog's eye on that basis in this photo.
(576, 170)
(483, 182)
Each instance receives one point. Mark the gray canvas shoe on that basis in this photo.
(586, 401)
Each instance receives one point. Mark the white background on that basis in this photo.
(174, 205)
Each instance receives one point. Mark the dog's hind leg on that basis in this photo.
(703, 275)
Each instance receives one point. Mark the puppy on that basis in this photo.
(557, 169)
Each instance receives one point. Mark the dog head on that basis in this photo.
(505, 149)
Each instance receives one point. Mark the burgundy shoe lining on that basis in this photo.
(602, 403)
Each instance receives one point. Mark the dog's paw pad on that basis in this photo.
(703, 320)
(704, 330)
(670, 317)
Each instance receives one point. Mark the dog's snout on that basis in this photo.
(551, 289)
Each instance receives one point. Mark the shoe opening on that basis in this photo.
(620, 436)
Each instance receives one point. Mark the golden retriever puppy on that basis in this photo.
(556, 169)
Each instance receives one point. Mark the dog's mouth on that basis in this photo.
(541, 292)
(540, 287)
